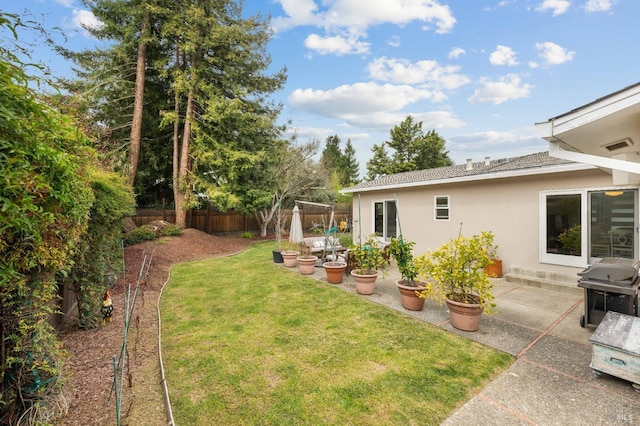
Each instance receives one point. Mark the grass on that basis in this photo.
(246, 342)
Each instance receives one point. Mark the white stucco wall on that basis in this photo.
(508, 207)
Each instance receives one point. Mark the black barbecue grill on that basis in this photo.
(609, 285)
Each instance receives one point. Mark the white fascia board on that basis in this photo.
(588, 113)
(596, 160)
(499, 175)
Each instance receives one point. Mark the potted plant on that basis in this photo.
(401, 251)
(493, 269)
(335, 267)
(455, 273)
(369, 259)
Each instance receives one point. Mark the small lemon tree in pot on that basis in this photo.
(455, 274)
(369, 259)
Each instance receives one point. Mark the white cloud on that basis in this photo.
(359, 97)
(496, 145)
(385, 120)
(557, 6)
(504, 89)
(597, 5)
(503, 55)
(370, 105)
(456, 52)
(65, 3)
(394, 41)
(85, 19)
(336, 45)
(429, 73)
(358, 15)
(553, 54)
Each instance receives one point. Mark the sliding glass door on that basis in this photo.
(385, 219)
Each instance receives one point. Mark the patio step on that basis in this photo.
(561, 285)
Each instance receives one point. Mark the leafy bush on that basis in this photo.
(140, 235)
(169, 231)
(99, 256)
(248, 235)
(46, 202)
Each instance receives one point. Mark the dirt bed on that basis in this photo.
(89, 392)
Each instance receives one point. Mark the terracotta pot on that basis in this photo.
(307, 264)
(365, 283)
(289, 258)
(494, 269)
(335, 271)
(464, 316)
(410, 300)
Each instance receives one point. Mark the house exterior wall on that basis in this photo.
(509, 207)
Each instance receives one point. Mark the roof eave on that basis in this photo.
(561, 168)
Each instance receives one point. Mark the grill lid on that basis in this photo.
(616, 273)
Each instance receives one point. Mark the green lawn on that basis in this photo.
(247, 342)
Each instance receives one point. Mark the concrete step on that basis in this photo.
(556, 285)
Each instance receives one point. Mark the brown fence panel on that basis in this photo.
(215, 222)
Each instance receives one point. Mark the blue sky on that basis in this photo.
(479, 72)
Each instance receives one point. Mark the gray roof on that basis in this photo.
(527, 164)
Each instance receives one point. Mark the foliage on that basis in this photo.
(412, 150)
(45, 208)
(571, 239)
(170, 230)
(208, 125)
(402, 251)
(456, 271)
(369, 256)
(247, 234)
(99, 256)
(140, 235)
(343, 164)
(291, 173)
(289, 377)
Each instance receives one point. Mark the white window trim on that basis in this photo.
(565, 260)
(435, 208)
(581, 261)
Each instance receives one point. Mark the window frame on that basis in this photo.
(436, 207)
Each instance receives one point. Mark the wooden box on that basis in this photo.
(616, 347)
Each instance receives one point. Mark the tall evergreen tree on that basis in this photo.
(331, 154)
(223, 124)
(350, 166)
(378, 164)
(412, 150)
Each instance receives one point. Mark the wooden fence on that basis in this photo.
(229, 222)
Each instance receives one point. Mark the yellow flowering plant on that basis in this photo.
(455, 271)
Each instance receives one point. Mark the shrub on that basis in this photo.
(140, 235)
(169, 231)
(248, 235)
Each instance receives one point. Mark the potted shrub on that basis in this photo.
(455, 273)
(401, 251)
(493, 269)
(369, 259)
(334, 268)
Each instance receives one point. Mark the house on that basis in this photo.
(553, 213)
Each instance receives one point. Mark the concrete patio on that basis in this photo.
(550, 382)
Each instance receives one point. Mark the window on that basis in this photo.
(580, 227)
(384, 221)
(442, 207)
(562, 228)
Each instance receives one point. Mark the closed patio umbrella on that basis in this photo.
(296, 234)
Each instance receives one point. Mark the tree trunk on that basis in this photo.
(180, 186)
(138, 102)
